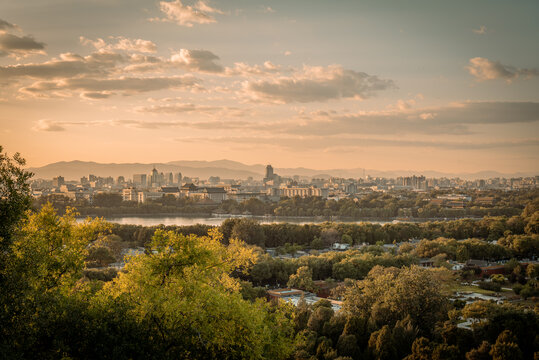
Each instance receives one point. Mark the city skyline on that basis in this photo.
(449, 87)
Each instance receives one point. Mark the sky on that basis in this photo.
(450, 86)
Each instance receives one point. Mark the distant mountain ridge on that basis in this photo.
(228, 169)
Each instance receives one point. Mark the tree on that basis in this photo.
(347, 346)
(532, 271)
(347, 239)
(302, 279)
(481, 353)
(388, 295)
(445, 352)
(107, 200)
(43, 280)
(319, 317)
(184, 291)
(498, 278)
(330, 236)
(14, 196)
(249, 231)
(380, 344)
(317, 243)
(506, 347)
(403, 336)
(49, 250)
(99, 256)
(421, 350)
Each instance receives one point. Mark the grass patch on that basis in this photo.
(469, 288)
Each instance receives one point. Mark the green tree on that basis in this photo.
(49, 250)
(317, 243)
(347, 346)
(302, 279)
(46, 261)
(481, 353)
(14, 196)
(184, 290)
(421, 350)
(249, 231)
(380, 344)
(107, 200)
(506, 347)
(319, 317)
(446, 352)
(388, 295)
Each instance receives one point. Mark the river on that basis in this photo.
(218, 220)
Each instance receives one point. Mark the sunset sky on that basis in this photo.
(450, 86)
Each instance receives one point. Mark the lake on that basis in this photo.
(218, 220)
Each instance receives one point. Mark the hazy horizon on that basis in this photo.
(450, 87)
(230, 169)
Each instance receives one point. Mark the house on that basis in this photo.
(171, 190)
(476, 263)
(493, 269)
(426, 263)
(340, 247)
(486, 200)
(129, 194)
(188, 188)
(242, 196)
(144, 196)
(294, 296)
(215, 194)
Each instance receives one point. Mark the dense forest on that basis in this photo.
(199, 292)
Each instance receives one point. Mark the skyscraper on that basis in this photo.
(269, 173)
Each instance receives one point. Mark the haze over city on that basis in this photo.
(420, 85)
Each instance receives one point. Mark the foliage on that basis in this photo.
(302, 279)
(14, 195)
(183, 286)
(388, 295)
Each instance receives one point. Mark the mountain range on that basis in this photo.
(228, 169)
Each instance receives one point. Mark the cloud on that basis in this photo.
(197, 60)
(122, 43)
(48, 125)
(124, 85)
(19, 45)
(316, 83)
(339, 143)
(4, 25)
(176, 108)
(201, 125)
(243, 69)
(96, 95)
(68, 65)
(170, 107)
(267, 10)
(481, 31)
(453, 119)
(186, 15)
(484, 69)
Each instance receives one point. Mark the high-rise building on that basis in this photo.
(58, 181)
(169, 178)
(140, 180)
(178, 178)
(154, 178)
(269, 172)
